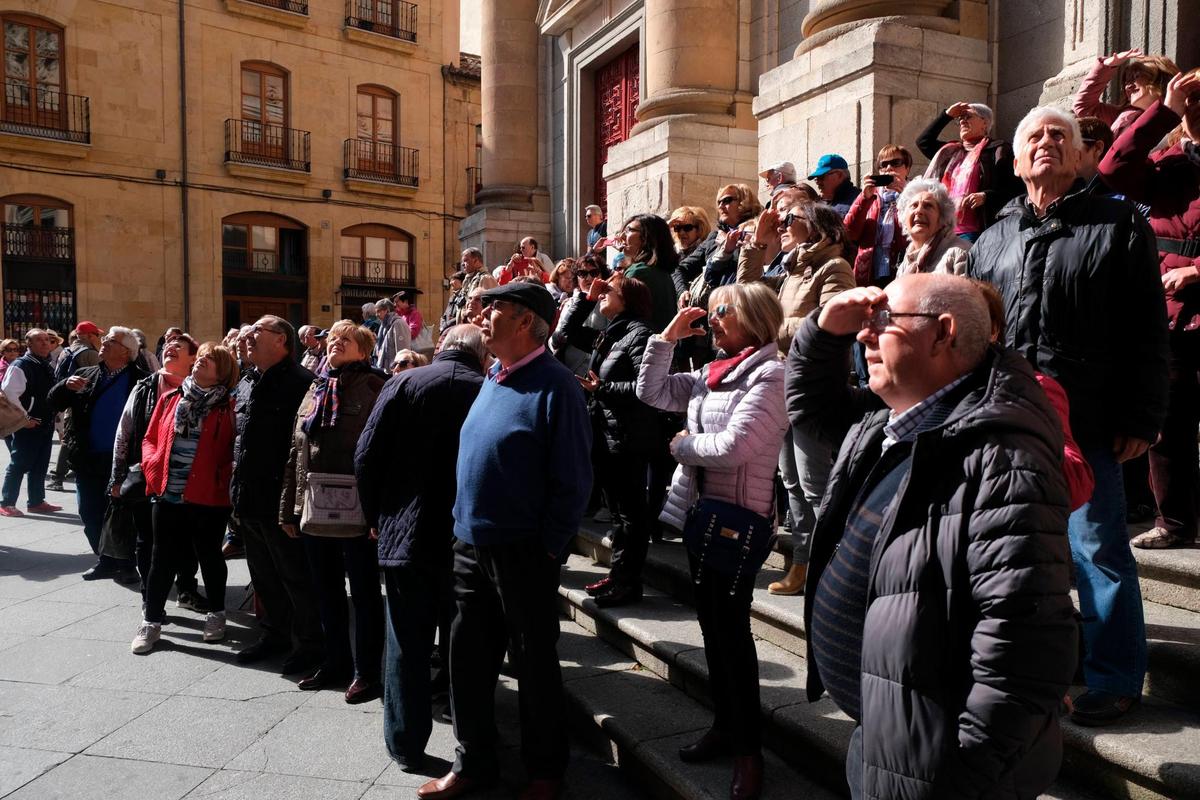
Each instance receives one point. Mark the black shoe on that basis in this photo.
(1094, 709)
(263, 648)
(192, 601)
(324, 678)
(712, 745)
(127, 576)
(618, 595)
(301, 661)
(101, 571)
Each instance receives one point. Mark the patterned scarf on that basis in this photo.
(962, 180)
(195, 403)
(326, 395)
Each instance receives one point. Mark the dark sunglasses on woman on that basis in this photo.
(683, 228)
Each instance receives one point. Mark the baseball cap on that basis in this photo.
(89, 327)
(531, 295)
(828, 163)
(784, 168)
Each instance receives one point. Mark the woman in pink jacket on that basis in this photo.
(1144, 81)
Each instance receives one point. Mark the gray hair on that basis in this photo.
(540, 330)
(368, 307)
(141, 336)
(593, 209)
(984, 113)
(32, 332)
(305, 329)
(467, 338)
(961, 299)
(122, 335)
(473, 252)
(289, 333)
(385, 303)
(1068, 120)
(949, 214)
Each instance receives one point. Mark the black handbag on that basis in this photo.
(118, 536)
(728, 539)
(133, 488)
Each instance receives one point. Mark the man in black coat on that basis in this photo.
(27, 384)
(266, 401)
(406, 482)
(1083, 302)
(937, 604)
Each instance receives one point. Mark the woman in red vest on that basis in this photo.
(187, 458)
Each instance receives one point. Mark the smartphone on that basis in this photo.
(883, 180)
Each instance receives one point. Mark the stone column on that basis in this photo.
(690, 61)
(695, 132)
(511, 204)
(863, 77)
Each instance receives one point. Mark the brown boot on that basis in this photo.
(792, 583)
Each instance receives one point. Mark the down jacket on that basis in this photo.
(627, 424)
(1084, 303)
(735, 430)
(969, 638)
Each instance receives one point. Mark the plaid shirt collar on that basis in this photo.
(929, 413)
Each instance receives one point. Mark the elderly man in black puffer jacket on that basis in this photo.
(937, 603)
(405, 464)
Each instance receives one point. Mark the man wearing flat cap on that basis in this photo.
(779, 177)
(524, 476)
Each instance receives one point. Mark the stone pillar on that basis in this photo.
(695, 131)
(860, 80)
(511, 204)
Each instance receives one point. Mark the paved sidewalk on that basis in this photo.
(81, 717)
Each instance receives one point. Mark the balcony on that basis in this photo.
(376, 270)
(375, 166)
(52, 245)
(45, 114)
(293, 6)
(393, 18)
(272, 152)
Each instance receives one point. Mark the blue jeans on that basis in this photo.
(414, 596)
(30, 456)
(1110, 599)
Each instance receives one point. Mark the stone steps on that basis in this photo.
(624, 710)
(1152, 757)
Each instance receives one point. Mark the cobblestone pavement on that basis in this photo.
(81, 717)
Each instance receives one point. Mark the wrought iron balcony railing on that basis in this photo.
(375, 161)
(45, 113)
(37, 244)
(264, 145)
(394, 18)
(376, 270)
(294, 6)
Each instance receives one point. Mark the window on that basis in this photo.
(263, 243)
(39, 264)
(264, 110)
(394, 18)
(376, 254)
(375, 129)
(33, 72)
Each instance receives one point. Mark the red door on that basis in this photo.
(616, 106)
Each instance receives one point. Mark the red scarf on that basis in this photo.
(717, 370)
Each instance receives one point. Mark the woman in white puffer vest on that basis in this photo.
(736, 422)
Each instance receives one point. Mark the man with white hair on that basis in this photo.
(977, 168)
(938, 597)
(593, 215)
(96, 396)
(779, 177)
(1084, 304)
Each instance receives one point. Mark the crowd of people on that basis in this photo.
(939, 384)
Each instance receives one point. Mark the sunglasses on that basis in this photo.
(894, 163)
(722, 310)
(587, 273)
(683, 228)
(792, 216)
(724, 201)
(402, 364)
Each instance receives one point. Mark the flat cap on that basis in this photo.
(533, 296)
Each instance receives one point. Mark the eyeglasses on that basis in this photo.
(791, 217)
(259, 328)
(724, 201)
(879, 321)
(402, 364)
(894, 163)
(683, 228)
(587, 273)
(721, 311)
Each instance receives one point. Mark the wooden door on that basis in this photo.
(264, 112)
(617, 87)
(33, 74)
(376, 130)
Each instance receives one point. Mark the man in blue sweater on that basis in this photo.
(524, 476)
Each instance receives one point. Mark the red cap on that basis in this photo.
(89, 327)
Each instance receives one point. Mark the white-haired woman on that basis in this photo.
(727, 455)
(976, 169)
(928, 220)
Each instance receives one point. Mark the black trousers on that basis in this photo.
(330, 561)
(731, 656)
(179, 527)
(1174, 475)
(185, 570)
(507, 597)
(624, 480)
(279, 572)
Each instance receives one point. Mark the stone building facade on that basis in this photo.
(722, 88)
(206, 162)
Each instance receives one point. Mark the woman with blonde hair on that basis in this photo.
(1143, 81)
(408, 359)
(187, 463)
(726, 477)
(328, 424)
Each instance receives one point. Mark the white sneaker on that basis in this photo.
(148, 634)
(214, 626)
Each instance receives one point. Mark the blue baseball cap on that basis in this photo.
(828, 163)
